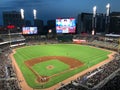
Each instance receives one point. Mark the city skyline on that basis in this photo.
(52, 9)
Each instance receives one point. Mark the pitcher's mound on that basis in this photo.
(50, 67)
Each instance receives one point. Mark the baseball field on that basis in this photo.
(46, 65)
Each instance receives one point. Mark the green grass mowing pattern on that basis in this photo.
(86, 54)
(58, 67)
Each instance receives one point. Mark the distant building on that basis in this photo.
(51, 23)
(12, 17)
(28, 23)
(100, 23)
(79, 24)
(115, 23)
(85, 23)
(51, 26)
(39, 23)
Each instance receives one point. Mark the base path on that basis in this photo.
(24, 85)
(73, 63)
(21, 79)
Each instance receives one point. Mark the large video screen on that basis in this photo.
(65, 25)
(29, 30)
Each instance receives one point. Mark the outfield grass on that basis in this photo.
(58, 66)
(86, 54)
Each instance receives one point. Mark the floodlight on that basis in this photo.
(34, 13)
(22, 13)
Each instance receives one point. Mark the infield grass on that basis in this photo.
(86, 54)
(43, 70)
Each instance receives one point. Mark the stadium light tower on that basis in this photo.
(94, 11)
(108, 9)
(107, 18)
(22, 17)
(22, 13)
(35, 13)
(94, 20)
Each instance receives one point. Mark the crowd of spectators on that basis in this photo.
(113, 84)
(105, 44)
(12, 37)
(97, 79)
(38, 40)
(1, 40)
(8, 79)
(111, 43)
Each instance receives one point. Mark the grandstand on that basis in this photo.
(8, 79)
(102, 78)
(13, 39)
(97, 79)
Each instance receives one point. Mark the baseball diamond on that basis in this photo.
(65, 60)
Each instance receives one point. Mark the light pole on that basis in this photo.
(94, 20)
(22, 16)
(108, 9)
(107, 21)
(9, 36)
(22, 13)
(35, 13)
(10, 27)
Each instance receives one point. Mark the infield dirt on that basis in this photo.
(73, 63)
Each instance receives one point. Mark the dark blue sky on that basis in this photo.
(51, 9)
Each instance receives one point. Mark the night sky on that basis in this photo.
(51, 9)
